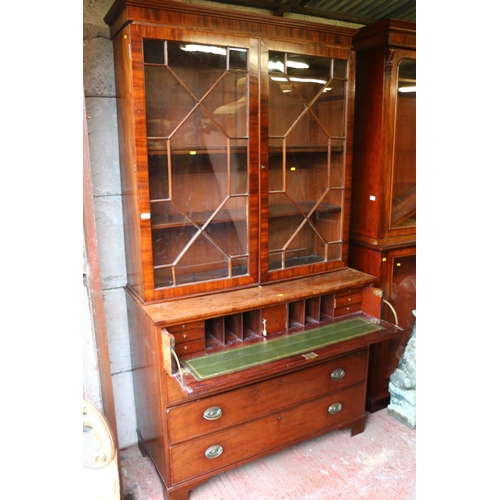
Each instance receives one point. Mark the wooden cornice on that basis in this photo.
(122, 12)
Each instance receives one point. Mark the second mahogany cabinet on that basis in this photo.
(383, 207)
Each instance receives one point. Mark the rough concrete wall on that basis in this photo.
(100, 101)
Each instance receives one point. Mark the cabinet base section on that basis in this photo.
(181, 491)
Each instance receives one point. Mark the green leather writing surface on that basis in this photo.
(222, 363)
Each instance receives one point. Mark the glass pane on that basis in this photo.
(404, 289)
(228, 104)
(197, 125)
(163, 114)
(286, 106)
(307, 110)
(165, 213)
(238, 59)
(233, 214)
(197, 66)
(239, 266)
(199, 184)
(327, 216)
(404, 210)
(308, 75)
(168, 243)
(159, 181)
(202, 260)
(238, 166)
(330, 108)
(337, 170)
(306, 247)
(340, 69)
(403, 299)
(154, 51)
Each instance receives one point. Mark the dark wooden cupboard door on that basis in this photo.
(199, 189)
(308, 97)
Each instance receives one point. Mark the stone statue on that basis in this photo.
(403, 384)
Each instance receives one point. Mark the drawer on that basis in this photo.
(348, 291)
(347, 300)
(342, 311)
(189, 335)
(214, 413)
(186, 326)
(230, 446)
(190, 347)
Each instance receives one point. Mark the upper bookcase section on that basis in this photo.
(235, 147)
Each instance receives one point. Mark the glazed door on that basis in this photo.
(199, 193)
(307, 98)
(402, 206)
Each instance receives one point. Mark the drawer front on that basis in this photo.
(189, 335)
(229, 446)
(342, 311)
(185, 326)
(347, 300)
(348, 291)
(214, 413)
(190, 347)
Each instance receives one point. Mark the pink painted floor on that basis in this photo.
(378, 464)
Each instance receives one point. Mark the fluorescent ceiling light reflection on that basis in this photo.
(209, 49)
(297, 65)
(279, 66)
(300, 80)
(307, 80)
(407, 89)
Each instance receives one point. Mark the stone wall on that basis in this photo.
(100, 102)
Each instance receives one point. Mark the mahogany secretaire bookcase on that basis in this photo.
(249, 332)
(384, 215)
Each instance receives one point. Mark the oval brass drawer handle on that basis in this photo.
(214, 451)
(212, 413)
(334, 408)
(337, 374)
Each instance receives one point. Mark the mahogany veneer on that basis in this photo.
(235, 149)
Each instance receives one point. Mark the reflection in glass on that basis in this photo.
(404, 210)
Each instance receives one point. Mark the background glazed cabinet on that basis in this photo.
(248, 331)
(383, 208)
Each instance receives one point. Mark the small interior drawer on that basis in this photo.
(348, 291)
(342, 311)
(185, 348)
(189, 335)
(185, 326)
(346, 300)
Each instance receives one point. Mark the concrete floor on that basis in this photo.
(378, 464)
